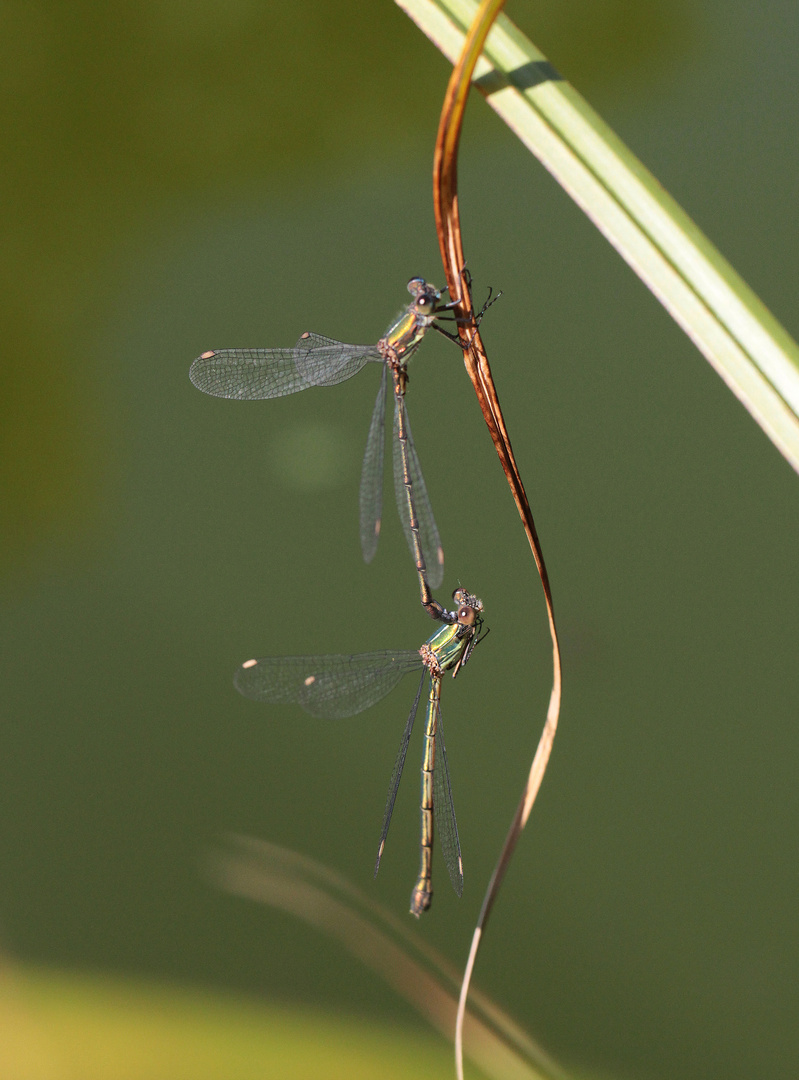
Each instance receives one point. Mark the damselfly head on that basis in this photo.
(426, 296)
(463, 598)
(468, 608)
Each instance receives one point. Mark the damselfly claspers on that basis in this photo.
(247, 374)
(333, 687)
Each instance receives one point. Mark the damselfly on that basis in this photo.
(333, 687)
(247, 374)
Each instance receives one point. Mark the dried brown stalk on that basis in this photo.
(445, 196)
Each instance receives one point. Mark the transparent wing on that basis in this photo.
(428, 531)
(248, 374)
(330, 687)
(396, 775)
(322, 361)
(371, 496)
(444, 812)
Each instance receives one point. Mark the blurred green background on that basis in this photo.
(185, 176)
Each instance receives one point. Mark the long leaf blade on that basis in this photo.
(724, 318)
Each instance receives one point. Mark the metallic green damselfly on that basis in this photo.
(334, 687)
(247, 374)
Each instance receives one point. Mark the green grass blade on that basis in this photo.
(741, 339)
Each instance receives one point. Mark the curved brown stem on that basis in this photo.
(445, 196)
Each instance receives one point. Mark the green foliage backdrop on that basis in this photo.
(184, 177)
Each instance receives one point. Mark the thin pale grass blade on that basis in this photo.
(728, 323)
(371, 493)
(269, 874)
(396, 774)
(432, 551)
(445, 197)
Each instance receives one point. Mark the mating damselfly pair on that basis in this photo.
(338, 686)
